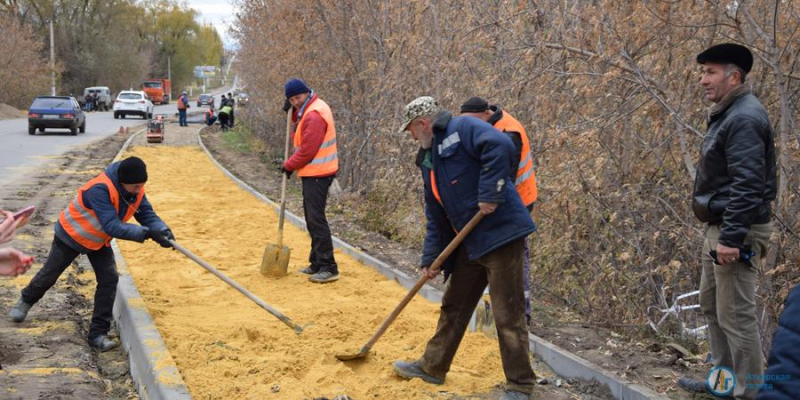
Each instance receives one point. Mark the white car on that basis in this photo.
(133, 102)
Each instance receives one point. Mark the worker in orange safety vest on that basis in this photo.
(521, 168)
(316, 161)
(95, 216)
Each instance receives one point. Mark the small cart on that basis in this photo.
(155, 130)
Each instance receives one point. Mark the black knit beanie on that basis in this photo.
(132, 170)
(474, 105)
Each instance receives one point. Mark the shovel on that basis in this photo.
(297, 328)
(276, 256)
(434, 267)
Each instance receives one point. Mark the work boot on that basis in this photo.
(103, 343)
(515, 395)
(308, 270)
(693, 385)
(19, 311)
(324, 277)
(411, 370)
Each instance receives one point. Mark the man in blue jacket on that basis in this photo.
(782, 379)
(95, 216)
(465, 164)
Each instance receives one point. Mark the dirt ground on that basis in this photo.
(47, 356)
(8, 112)
(635, 356)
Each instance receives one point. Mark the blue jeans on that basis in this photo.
(182, 117)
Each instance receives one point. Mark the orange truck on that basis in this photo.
(158, 90)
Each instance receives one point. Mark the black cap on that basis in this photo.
(474, 105)
(728, 53)
(132, 170)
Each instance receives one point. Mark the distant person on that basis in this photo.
(223, 101)
(232, 103)
(183, 105)
(98, 213)
(96, 102)
(735, 184)
(210, 118)
(12, 261)
(87, 102)
(224, 117)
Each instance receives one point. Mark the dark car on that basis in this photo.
(205, 100)
(56, 112)
(243, 99)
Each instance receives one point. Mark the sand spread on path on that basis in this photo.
(226, 347)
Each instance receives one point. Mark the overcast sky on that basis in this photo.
(218, 13)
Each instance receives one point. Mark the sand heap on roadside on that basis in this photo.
(226, 347)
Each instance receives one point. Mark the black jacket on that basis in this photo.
(736, 176)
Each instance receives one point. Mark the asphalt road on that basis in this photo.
(21, 153)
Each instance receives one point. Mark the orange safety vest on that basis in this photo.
(326, 161)
(82, 224)
(181, 103)
(525, 181)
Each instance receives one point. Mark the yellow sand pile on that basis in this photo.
(226, 347)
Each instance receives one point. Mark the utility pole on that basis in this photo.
(169, 75)
(52, 60)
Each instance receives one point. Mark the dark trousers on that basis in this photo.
(233, 119)
(182, 117)
(315, 198)
(502, 271)
(223, 121)
(105, 269)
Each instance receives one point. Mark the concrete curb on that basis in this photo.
(562, 362)
(152, 367)
(153, 370)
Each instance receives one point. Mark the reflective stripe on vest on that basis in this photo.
(326, 161)
(525, 181)
(82, 224)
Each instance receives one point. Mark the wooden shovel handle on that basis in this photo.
(437, 264)
(285, 178)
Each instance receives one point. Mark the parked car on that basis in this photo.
(242, 99)
(103, 96)
(56, 112)
(205, 100)
(133, 102)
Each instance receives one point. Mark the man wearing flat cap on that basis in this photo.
(735, 183)
(521, 167)
(97, 214)
(465, 164)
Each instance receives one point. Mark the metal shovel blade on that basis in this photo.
(347, 357)
(276, 261)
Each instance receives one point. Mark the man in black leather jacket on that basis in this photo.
(735, 183)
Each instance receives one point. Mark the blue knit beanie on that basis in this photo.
(295, 86)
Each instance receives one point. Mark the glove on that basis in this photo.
(168, 233)
(287, 172)
(161, 237)
(287, 106)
